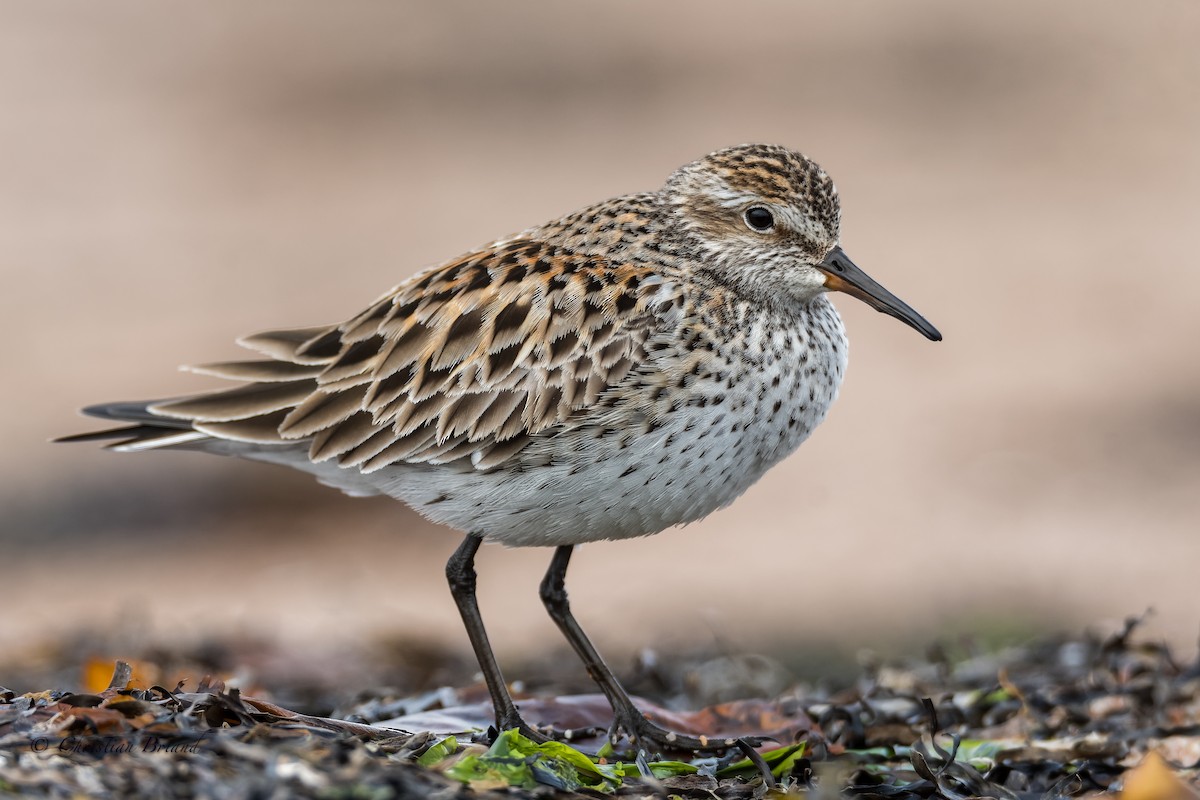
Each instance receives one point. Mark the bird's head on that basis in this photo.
(767, 219)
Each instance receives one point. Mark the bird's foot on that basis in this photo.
(647, 737)
(538, 733)
(654, 738)
(651, 738)
(508, 722)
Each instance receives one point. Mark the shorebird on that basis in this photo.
(612, 373)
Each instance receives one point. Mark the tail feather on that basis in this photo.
(135, 412)
(146, 431)
(256, 437)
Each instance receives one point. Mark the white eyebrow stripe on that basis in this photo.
(728, 197)
(805, 225)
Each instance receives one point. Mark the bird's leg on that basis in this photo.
(645, 733)
(460, 574)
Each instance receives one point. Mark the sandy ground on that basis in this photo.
(1025, 175)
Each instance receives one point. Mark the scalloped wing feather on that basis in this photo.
(461, 364)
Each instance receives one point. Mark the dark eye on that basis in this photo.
(760, 219)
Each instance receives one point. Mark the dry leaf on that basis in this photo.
(1154, 780)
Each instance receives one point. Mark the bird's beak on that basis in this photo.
(843, 275)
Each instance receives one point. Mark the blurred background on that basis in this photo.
(1027, 175)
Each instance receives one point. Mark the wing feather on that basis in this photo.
(352, 433)
(257, 371)
(462, 364)
(281, 345)
(321, 410)
(244, 402)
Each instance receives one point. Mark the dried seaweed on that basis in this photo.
(1054, 719)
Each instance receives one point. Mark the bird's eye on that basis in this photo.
(759, 219)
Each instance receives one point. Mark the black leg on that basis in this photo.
(460, 574)
(628, 718)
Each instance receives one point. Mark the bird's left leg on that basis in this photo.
(645, 733)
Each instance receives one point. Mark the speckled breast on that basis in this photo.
(686, 435)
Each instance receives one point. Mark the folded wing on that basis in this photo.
(464, 363)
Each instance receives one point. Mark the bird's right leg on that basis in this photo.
(460, 574)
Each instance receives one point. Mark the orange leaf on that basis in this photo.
(97, 672)
(1153, 780)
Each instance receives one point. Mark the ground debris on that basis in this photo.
(1056, 718)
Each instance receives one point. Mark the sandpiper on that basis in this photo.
(626, 368)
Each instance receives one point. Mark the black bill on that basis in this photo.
(843, 275)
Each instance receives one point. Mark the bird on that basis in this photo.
(618, 371)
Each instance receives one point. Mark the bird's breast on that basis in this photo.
(688, 434)
(683, 436)
(765, 385)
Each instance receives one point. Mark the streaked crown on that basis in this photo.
(757, 203)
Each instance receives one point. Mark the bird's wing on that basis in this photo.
(463, 363)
